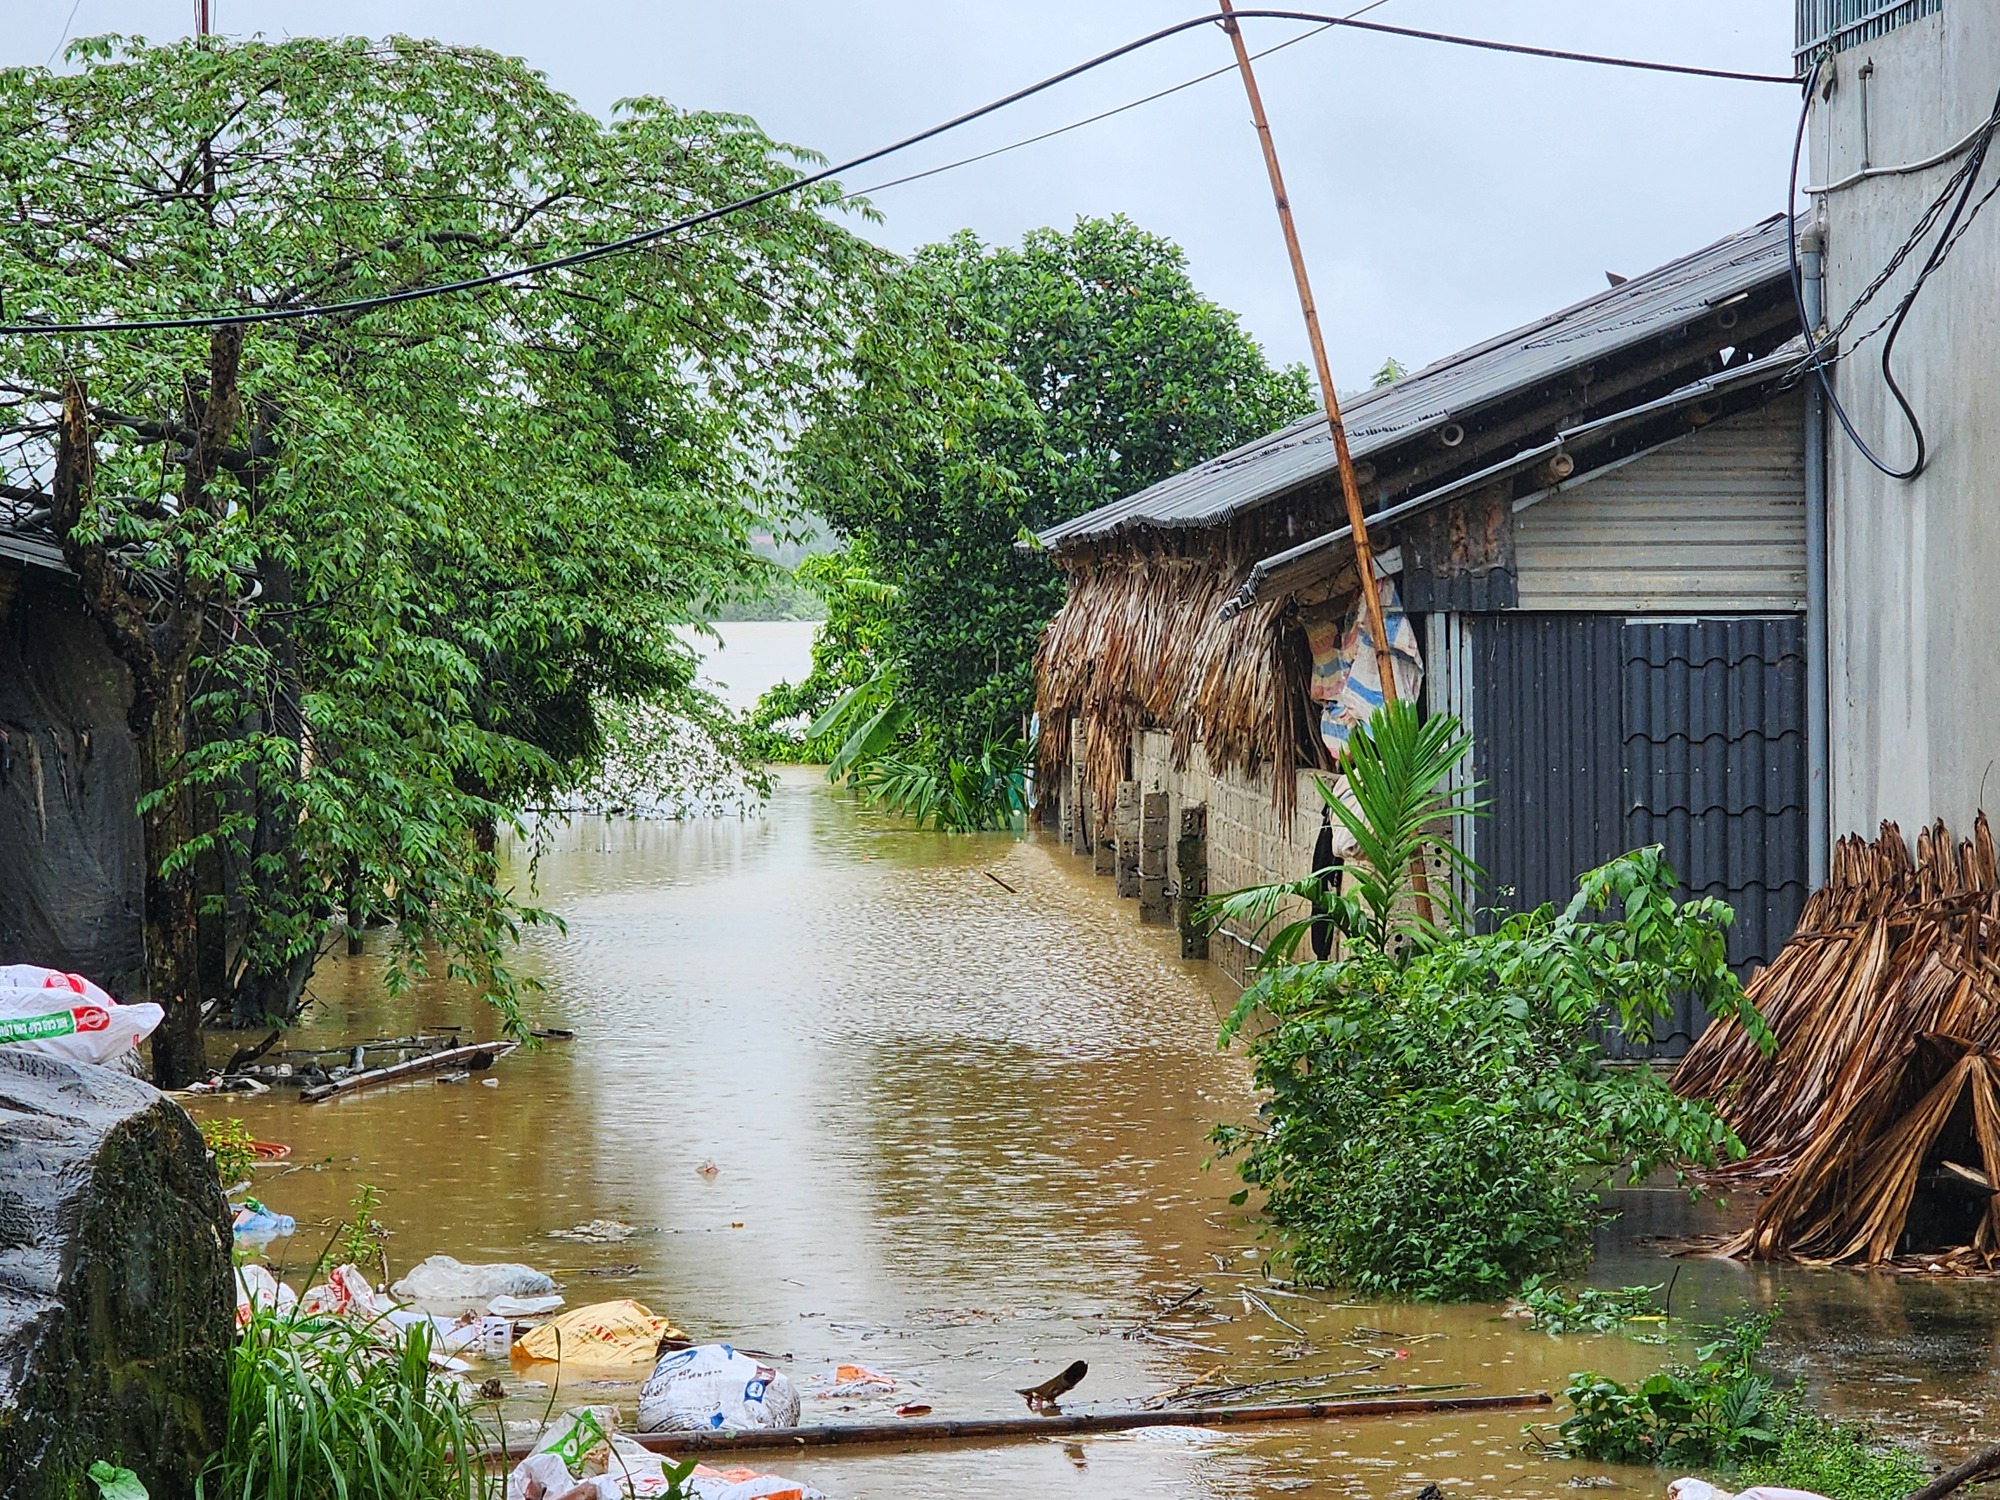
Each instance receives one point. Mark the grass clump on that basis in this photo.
(330, 1409)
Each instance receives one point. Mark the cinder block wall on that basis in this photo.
(1250, 842)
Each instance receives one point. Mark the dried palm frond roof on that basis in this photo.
(1141, 644)
(1885, 1083)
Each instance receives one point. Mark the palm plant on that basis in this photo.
(1400, 793)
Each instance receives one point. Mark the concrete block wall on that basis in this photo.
(1250, 841)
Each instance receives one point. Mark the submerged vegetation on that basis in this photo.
(1725, 1413)
(1439, 1118)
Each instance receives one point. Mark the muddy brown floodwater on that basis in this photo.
(958, 1135)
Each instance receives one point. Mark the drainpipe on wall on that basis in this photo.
(1819, 843)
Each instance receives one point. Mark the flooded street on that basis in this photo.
(958, 1134)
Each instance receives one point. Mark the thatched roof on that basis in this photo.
(1141, 643)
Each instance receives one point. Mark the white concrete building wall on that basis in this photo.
(1914, 568)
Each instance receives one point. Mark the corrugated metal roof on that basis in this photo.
(1616, 319)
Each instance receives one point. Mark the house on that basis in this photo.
(1596, 526)
(1904, 96)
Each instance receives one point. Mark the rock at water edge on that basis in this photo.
(116, 1310)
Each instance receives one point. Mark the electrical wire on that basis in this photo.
(1958, 191)
(254, 316)
(75, 6)
(1049, 135)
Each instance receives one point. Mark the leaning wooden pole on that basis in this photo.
(1350, 487)
(992, 1429)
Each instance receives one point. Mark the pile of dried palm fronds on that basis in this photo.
(1886, 1009)
(1141, 644)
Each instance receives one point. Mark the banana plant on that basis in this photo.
(1400, 793)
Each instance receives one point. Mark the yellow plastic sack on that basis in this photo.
(604, 1336)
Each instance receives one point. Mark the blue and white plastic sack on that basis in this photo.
(712, 1388)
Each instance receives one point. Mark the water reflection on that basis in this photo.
(959, 1135)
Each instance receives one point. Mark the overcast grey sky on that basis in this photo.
(1443, 195)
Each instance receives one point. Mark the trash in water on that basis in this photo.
(445, 1284)
(618, 1335)
(748, 1484)
(1701, 1489)
(596, 1232)
(1043, 1397)
(257, 1287)
(491, 1083)
(708, 1169)
(525, 1307)
(584, 1447)
(853, 1380)
(913, 1409)
(712, 1387)
(256, 1222)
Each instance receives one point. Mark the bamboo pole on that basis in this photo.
(1350, 488)
(947, 1430)
(490, 1051)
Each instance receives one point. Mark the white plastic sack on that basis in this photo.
(257, 1287)
(490, 1337)
(442, 1284)
(1700, 1489)
(713, 1388)
(585, 1446)
(66, 1016)
(747, 1484)
(524, 1307)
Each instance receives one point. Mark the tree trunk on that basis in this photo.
(171, 918)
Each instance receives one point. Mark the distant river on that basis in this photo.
(755, 655)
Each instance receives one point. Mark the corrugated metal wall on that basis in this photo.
(1713, 523)
(1601, 733)
(1715, 765)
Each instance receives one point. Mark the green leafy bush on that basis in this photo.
(1719, 1410)
(230, 1148)
(1724, 1414)
(1439, 1118)
(1840, 1460)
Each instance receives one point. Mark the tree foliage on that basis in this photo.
(997, 391)
(373, 574)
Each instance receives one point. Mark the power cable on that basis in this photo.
(75, 6)
(1958, 191)
(1049, 135)
(250, 317)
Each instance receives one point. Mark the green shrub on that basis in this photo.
(1842, 1461)
(231, 1149)
(1439, 1126)
(1439, 1118)
(1719, 1410)
(1725, 1415)
(328, 1409)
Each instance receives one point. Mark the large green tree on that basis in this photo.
(372, 572)
(1000, 390)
